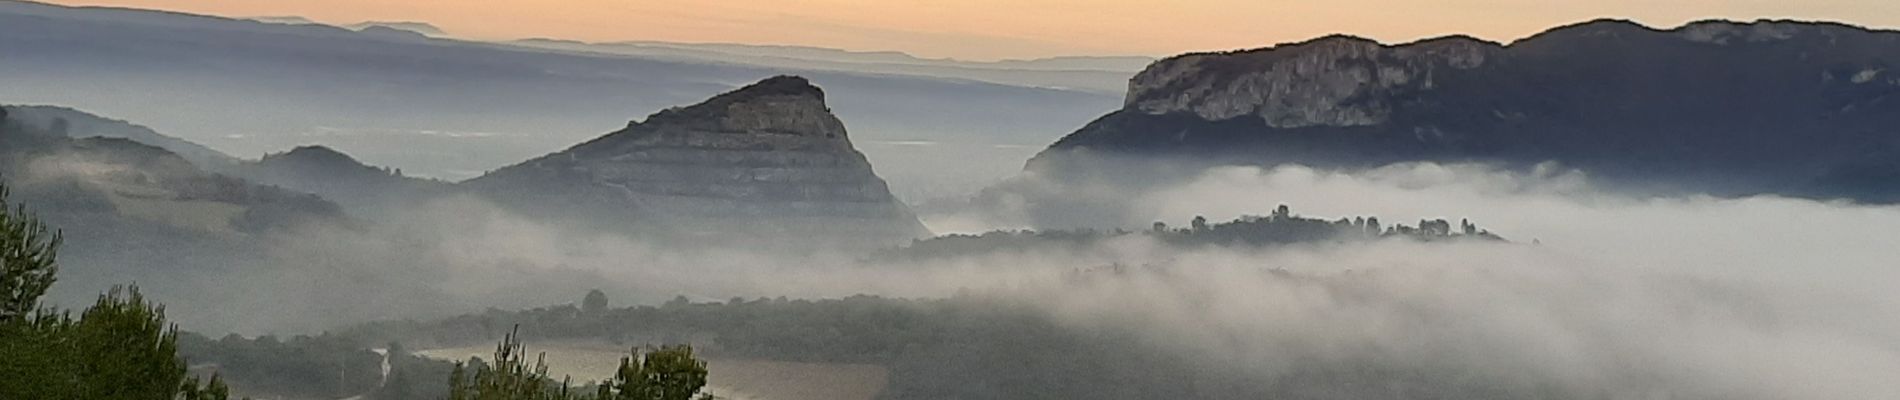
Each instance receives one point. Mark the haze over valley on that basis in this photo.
(388, 210)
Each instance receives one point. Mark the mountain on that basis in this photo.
(1724, 108)
(420, 28)
(768, 161)
(80, 124)
(249, 88)
(1086, 63)
(310, 169)
(333, 175)
(111, 187)
(285, 19)
(1105, 75)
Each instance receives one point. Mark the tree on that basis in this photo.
(120, 348)
(663, 373)
(27, 260)
(126, 349)
(595, 303)
(1199, 223)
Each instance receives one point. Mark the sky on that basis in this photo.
(1000, 29)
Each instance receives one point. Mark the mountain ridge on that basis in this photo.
(1718, 107)
(81, 124)
(377, 97)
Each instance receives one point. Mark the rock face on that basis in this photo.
(1796, 108)
(767, 161)
(1332, 81)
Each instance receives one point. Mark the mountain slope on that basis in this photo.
(329, 173)
(80, 124)
(1795, 108)
(768, 160)
(108, 187)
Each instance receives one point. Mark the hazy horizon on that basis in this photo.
(995, 30)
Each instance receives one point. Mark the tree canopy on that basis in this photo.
(653, 373)
(120, 348)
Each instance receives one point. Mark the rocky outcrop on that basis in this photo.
(767, 161)
(1717, 107)
(1331, 81)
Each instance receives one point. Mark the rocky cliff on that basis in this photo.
(1798, 108)
(767, 161)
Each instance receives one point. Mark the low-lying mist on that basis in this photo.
(1605, 295)
(1600, 294)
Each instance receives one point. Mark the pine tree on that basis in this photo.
(662, 373)
(27, 260)
(120, 348)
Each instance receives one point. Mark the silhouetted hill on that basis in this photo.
(341, 178)
(80, 124)
(101, 185)
(1101, 75)
(420, 28)
(1727, 108)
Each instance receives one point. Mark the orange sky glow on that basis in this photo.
(996, 29)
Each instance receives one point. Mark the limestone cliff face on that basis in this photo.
(1332, 81)
(768, 161)
(1719, 107)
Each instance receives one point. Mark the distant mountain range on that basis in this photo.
(1724, 108)
(454, 109)
(767, 163)
(422, 28)
(1104, 75)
